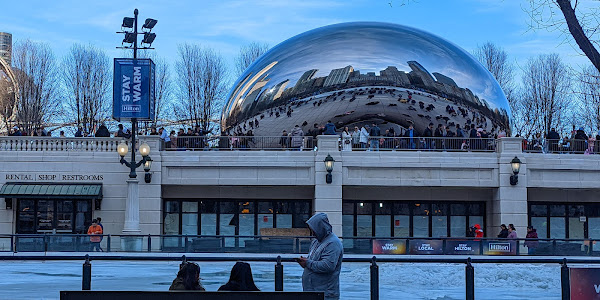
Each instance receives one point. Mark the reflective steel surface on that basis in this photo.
(359, 73)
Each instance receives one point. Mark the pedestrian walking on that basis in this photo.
(95, 232)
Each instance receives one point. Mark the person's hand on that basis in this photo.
(301, 261)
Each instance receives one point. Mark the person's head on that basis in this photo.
(457, 126)
(329, 121)
(99, 220)
(319, 226)
(411, 127)
(503, 227)
(120, 127)
(62, 133)
(552, 129)
(241, 274)
(94, 222)
(430, 125)
(297, 126)
(529, 228)
(315, 125)
(346, 129)
(190, 275)
(511, 227)
(355, 128)
(374, 125)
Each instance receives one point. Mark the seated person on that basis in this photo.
(188, 278)
(240, 279)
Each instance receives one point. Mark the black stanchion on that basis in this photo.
(278, 275)
(374, 279)
(149, 243)
(86, 279)
(108, 244)
(565, 285)
(470, 280)
(183, 261)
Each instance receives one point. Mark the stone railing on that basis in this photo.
(87, 144)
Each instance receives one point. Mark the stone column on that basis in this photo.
(328, 197)
(132, 208)
(509, 205)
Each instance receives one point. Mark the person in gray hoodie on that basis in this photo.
(324, 262)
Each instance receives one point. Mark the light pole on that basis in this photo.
(132, 206)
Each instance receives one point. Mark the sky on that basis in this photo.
(225, 25)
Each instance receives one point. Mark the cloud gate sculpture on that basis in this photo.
(360, 73)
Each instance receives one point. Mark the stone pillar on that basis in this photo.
(132, 208)
(328, 197)
(509, 205)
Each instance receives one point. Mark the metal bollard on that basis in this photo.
(86, 278)
(470, 280)
(374, 279)
(108, 244)
(279, 275)
(183, 261)
(565, 285)
(149, 243)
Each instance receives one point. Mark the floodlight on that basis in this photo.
(129, 38)
(128, 22)
(149, 24)
(149, 38)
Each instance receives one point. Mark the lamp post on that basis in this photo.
(132, 206)
(329, 168)
(515, 165)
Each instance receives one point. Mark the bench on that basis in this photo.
(187, 295)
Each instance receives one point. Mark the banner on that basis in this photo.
(389, 246)
(133, 89)
(585, 283)
(469, 247)
(499, 247)
(426, 246)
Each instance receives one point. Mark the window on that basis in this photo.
(53, 216)
(565, 221)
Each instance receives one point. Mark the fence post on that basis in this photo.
(374, 279)
(565, 285)
(278, 275)
(108, 244)
(149, 243)
(470, 280)
(183, 261)
(13, 247)
(86, 278)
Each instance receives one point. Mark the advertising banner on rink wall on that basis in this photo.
(469, 247)
(389, 246)
(585, 283)
(499, 248)
(133, 89)
(426, 247)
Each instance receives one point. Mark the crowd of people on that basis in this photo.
(578, 141)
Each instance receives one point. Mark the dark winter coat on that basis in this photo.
(178, 285)
(329, 129)
(503, 234)
(533, 243)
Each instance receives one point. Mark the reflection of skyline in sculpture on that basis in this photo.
(346, 56)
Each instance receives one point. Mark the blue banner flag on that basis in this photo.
(133, 89)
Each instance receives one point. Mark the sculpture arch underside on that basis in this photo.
(6, 69)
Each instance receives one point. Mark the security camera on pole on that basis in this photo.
(134, 99)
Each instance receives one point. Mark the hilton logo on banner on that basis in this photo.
(133, 89)
(499, 248)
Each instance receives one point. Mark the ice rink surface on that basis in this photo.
(44, 280)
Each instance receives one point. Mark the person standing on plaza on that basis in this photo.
(356, 138)
(478, 232)
(324, 262)
(512, 232)
(532, 240)
(374, 135)
(329, 128)
(297, 139)
(346, 140)
(95, 232)
(364, 136)
(503, 232)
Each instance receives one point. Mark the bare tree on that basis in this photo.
(35, 72)
(163, 85)
(248, 54)
(546, 94)
(87, 80)
(580, 17)
(202, 85)
(588, 89)
(495, 59)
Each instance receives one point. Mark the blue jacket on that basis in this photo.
(322, 272)
(329, 129)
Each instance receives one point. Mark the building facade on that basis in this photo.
(6, 47)
(58, 185)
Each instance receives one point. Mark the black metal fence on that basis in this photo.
(381, 143)
(279, 282)
(296, 245)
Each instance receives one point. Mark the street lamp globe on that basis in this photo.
(515, 165)
(144, 150)
(122, 149)
(329, 163)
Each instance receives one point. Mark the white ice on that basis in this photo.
(44, 280)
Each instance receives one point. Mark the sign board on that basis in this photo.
(469, 247)
(584, 283)
(426, 246)
(133, 89)
(389, 246)
(499, 247)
